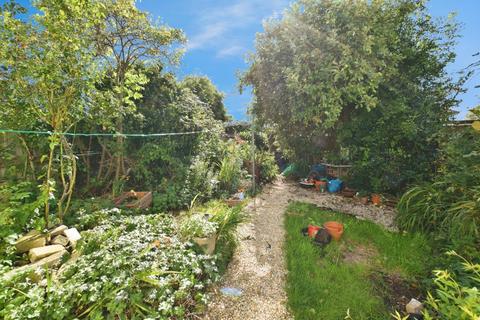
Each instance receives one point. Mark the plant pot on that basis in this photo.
(376, 199)
(335, 229)
(348, 193)
(312, 230)
(233, 202)
(364, 200)
(207, 244)
(320, 185)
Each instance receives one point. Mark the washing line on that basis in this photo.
(73, 134)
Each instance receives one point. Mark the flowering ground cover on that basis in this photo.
(128, 266)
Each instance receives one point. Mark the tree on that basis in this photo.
(167, 106)
(48, 76)
(206, 91)
(128, 38)
(368, 76)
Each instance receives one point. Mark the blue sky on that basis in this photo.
(222, 32)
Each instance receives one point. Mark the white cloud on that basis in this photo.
(231, 51)
(219, 27)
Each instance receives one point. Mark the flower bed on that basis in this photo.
(127, 267)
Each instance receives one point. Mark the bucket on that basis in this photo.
(335, 229)
(312, 230)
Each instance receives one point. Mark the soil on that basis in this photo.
(396, 291)
(359, 254)
(258, 265)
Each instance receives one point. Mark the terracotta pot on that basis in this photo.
(320, 185)
(364, 200)
(233, 202)
(335, 229)
(207, 244)
(348, 193)
(376, 199)
(312, 230)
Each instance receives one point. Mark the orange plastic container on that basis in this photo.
(312, 230)
(335, 229)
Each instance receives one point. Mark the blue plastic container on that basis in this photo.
(334, 185)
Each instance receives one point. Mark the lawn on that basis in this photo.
(364, 274)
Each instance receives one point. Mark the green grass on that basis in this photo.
(321, 285)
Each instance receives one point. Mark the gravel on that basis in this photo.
(258, 265)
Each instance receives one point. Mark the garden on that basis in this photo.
(127, 192)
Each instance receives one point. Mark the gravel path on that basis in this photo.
(258, 266)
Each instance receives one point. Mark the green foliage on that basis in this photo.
(197, 226)
(19, 207)
(230, 172)
(268, 166)
(448, 207)
(47, 79)
(452, 298)
(206, 91)
(127, 41)
(334, 284)
(129, 267)
(368, 77)
(227, 220)
(176, 167)
(168, 199)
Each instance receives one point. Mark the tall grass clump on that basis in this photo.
(449, 207)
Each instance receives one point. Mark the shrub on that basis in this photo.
(19, 207)
(168, 199)
(230, 173)
(453, 298)
(268, 166)
(449, 207)
(20, 210)
(201, 179)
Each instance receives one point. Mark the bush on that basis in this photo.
(230, 172)
(268, 166)
(448, 208)
(201, 180)
(453, 298)
(19, 207)
(168, 199)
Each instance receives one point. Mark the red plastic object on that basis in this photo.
(335, 229)
(312, 230)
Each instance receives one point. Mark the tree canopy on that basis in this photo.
(365, 76)
(208, 94)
